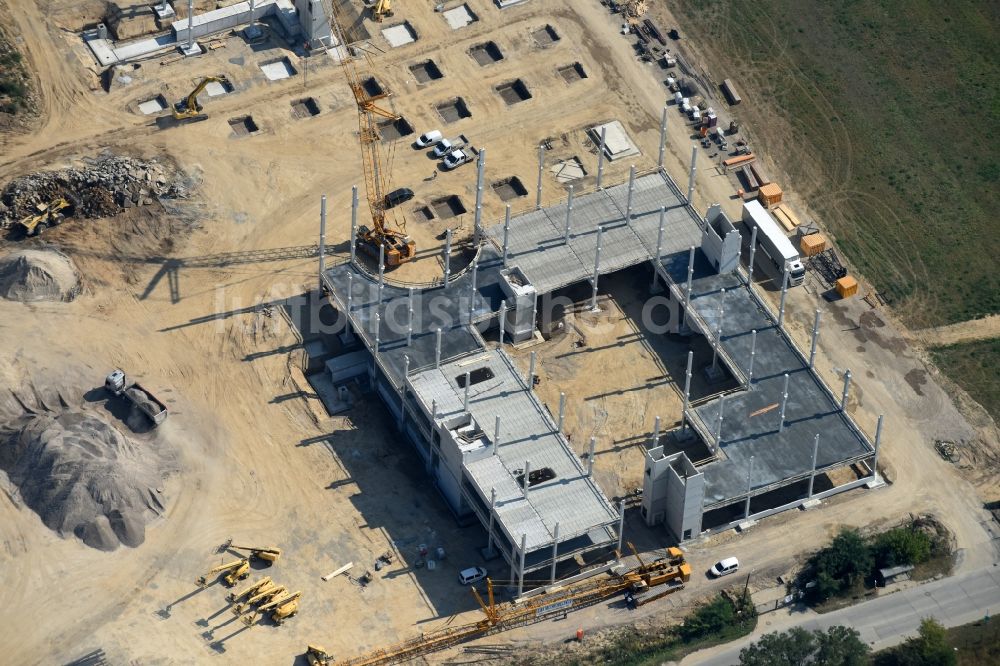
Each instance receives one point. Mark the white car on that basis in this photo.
(471, 575)
(428, 139)
(442, 148)
(455, 158)
(725, 567)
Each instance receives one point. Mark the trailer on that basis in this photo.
(118, 385)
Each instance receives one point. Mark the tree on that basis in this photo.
(902, 545)
(929, 648)
(837, 646)
(842, 564)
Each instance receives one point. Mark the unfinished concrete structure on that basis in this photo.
(497, 454)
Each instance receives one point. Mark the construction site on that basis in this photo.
(363, 332)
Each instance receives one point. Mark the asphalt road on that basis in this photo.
(887, 620)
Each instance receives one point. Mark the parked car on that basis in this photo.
(428, 139)
(442, 148)
(725, 567)
(471, 575)
(396, 197)
(456, 158)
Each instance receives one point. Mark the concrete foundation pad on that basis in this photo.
(164, 11)
(459, 17)
(192, 50)
(811, 504)
(745, 525)
(877, 482)
(399, 35)
(617, 143)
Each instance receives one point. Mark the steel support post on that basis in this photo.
(878, 441)
(631, 192)
(812, 474)
(663, 137)
(381, 270)
(531, 371)
(753, 249)
(718, 424)
(541, 164)
(784, 401)
(447, 257)
(526, 485)
(555, 553)
(322, 241)
(569, 216)
(190, 39)
(597, 270)
(437, 350)
(402, 391)
(480, 166)
(520, 575)
(621, 526)
(465, 400)
(690, 281)
(503, 319)
(350, 293)
(815, 337)
(506, 234)
(694, 168)
(600, 156)
(496, 434)
(590, 456)
(472, 294)
(409, 318)
(354, 223)
(493, 510)
(746, 511)
(687, 393)
(847, 388)
(753, 353)
(784, 292)
(562, 410)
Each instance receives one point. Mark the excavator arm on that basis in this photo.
(188, 108)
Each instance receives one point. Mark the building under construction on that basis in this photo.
(498, 455)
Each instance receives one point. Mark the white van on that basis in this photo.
(725, 567)
(471, 575)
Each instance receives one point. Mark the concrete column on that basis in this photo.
(753, 353)
(690, 282)
(663, 137)
(506, 234)
(694, 168)
(503, 318)
(493, 510)
(746, 511)
(847, 388)
(190, 24)
(590, 457)
(378, 343)
(354, 222)
(562, 410)
(631, 191)
(597, 270)
(659, 233)
(437, 350)
(472, 295)
(878, 441)
(753, 250)
(784, 401)
(520, 575)
(527, 476)
(381, 270)
(434, 411)
(621, 525)
(784, 292)
(402, 392)
(718, 424)
(656, 432)
(541, 164)
(555, 553)
(496, 434)
(531, 371)
(812, 474)
(447, 257)
(480, 166)
(350, 292)
(322, 241)
(569, 215)
(600, 156)
(465, 400)
(687, 392)
(815, 337)
(722, 314)
(409, 319)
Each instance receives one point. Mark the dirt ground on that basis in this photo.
(260, 460)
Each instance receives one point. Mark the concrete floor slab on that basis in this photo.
(459, 17)
(399, 35)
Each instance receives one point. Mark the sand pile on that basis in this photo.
(38, 275)
(84, 477)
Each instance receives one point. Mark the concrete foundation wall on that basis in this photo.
(236, 15)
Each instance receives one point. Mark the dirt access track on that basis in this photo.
(180, 306)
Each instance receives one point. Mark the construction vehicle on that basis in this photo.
(237, 570)
(672, 572)
(48, 215)
(250, 590)
(263, 595)
(382, 10)
(318, 656)
(118, 385)
(284, 607)
(188, 110)
(269, 554)
(398, 248)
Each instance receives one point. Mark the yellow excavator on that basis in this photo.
(284, 607)
(249, 591)
(382, 10)
(48, 215)
(188, 110)
(234, 571)
(269, 554)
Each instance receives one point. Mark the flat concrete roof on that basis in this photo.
(527, 434)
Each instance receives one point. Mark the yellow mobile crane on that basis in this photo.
(264, 595)
(284, 607)
(269, 554)
(399, 249)
(237, 570)
(250, 590)
(188, 110)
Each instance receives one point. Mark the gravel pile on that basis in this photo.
(83, 477)
(38, 275)
(103, 187)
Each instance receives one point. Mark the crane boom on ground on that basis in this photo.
(399, 249)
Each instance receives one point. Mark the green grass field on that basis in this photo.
(975, 367)
(885, 114)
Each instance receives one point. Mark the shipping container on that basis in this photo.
(846, 286)
(730, 92)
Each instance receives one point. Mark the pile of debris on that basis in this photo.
(102, 187)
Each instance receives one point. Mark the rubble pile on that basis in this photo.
(103, 187)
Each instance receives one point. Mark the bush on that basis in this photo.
(841, 565)
(708, 619)
(902, 545)
(838, 646)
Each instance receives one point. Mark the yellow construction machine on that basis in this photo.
(250, 590)
(235, 571)
(48, 215)
(188, 110)
(318, 656)
(382, 10)
(269, 554)
(284, 607)
(264, 594)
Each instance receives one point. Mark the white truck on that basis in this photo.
(459, 156)
(118, 385)
(774, 249)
